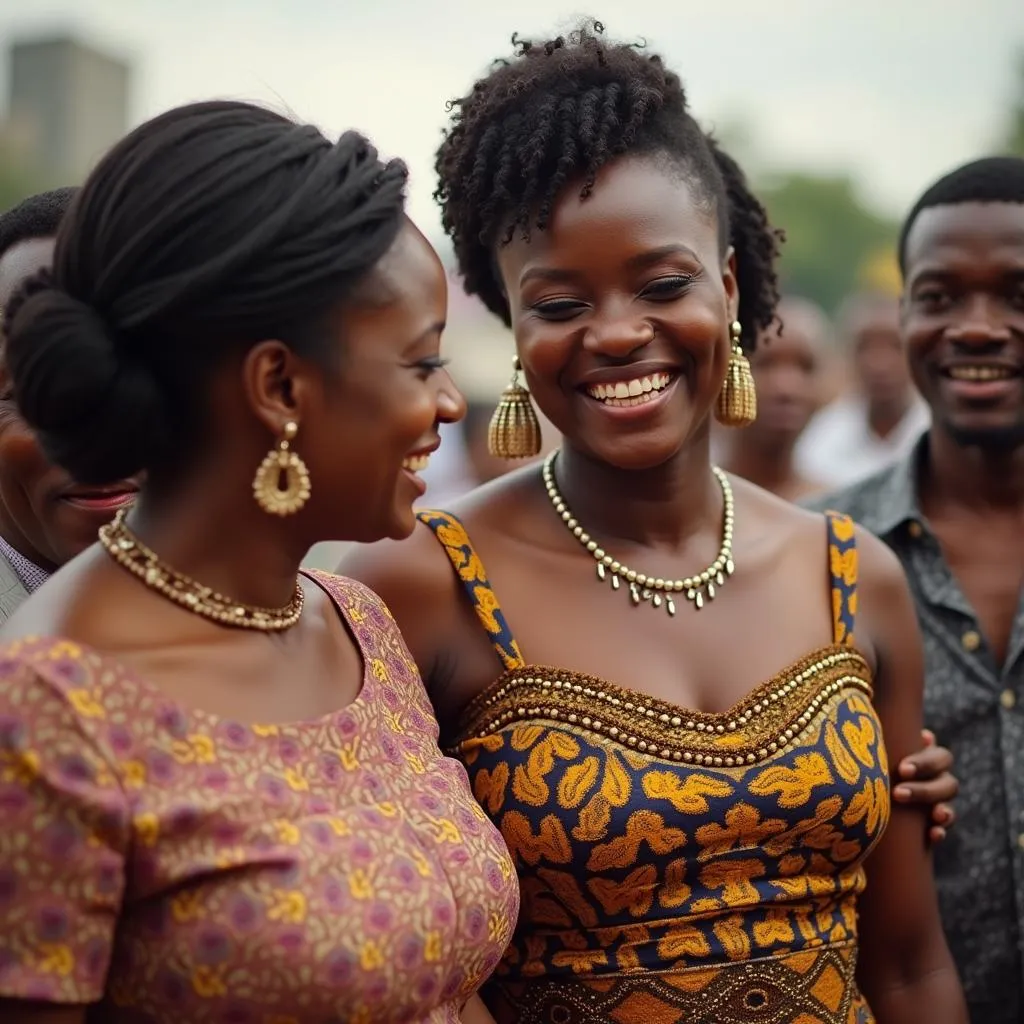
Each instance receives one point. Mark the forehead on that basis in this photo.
(636, 204)
(21, 261)
(405, 294)
(966, 238)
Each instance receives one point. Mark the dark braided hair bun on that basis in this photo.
(205, 230)
(553, 115)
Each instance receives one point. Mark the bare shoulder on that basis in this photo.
(776, 517)
(419, 566)
(413, 577)
(888, 618)
(880, 571)
(65, 605)
(418, 578)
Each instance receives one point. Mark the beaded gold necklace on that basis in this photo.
(698, 590)
(129, 552)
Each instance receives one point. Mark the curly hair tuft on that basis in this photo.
(552, 115)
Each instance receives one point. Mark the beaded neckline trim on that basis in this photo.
(768, 720)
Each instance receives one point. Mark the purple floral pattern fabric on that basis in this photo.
(173, 865)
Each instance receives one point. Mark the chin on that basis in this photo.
(402, 524)
(636, 454)
(995, 437)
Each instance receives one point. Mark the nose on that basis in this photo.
(979, 323)
(451, 403)
(617, 338)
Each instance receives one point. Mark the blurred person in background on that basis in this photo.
(223, 797)
(883, 415)
(790, 366)
(46, 517)
(952, 510)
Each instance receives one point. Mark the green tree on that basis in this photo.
(1014, 140)
(16, 179)
(830, 234)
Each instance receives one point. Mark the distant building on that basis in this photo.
(68, 104)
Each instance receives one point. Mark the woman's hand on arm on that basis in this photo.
(926, 778)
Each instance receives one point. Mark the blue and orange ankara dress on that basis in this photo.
(678, 866)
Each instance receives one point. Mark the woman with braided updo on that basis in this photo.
(223, 796)
(668, 687)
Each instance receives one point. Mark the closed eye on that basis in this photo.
(431, 365)
(558, 309)
(667, 288)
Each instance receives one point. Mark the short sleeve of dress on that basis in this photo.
(64, 828)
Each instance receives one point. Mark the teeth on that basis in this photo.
(416, 463)
(980, 373)
(637, 391)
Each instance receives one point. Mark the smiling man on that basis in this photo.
(45, 517)
(954, 514)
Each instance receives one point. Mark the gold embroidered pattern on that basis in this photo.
(770, 719)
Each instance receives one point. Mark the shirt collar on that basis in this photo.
(897, 499)
(32, 577)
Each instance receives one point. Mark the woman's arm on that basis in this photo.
(56, 775)
(905, 969)
(474, 1012)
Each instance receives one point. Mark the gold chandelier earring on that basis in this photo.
(514, 431)
(737, 401)
(282, 486)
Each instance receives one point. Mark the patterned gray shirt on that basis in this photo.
(976, 708)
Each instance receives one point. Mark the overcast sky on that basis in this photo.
(896, 90)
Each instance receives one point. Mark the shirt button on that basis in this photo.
(1007, 698)
(971, 640)
(914, 529)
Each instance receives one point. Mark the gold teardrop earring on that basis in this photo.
(282, 485)
(514, 430)
(737, 401)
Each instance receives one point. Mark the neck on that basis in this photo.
(202, 530)
(661, 507)
(767, 465)
(883, 419)
(972, 477)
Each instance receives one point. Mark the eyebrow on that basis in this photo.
(643, 259)
(936, 273)
(435, 328)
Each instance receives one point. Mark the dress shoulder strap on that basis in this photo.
(452, 536)
(842, 568)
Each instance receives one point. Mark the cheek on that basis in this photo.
(21, 458)
(544, 351)
(920, 334)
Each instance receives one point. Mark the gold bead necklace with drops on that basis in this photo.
(656, 591)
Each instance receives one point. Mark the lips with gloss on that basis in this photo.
(100, 500)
